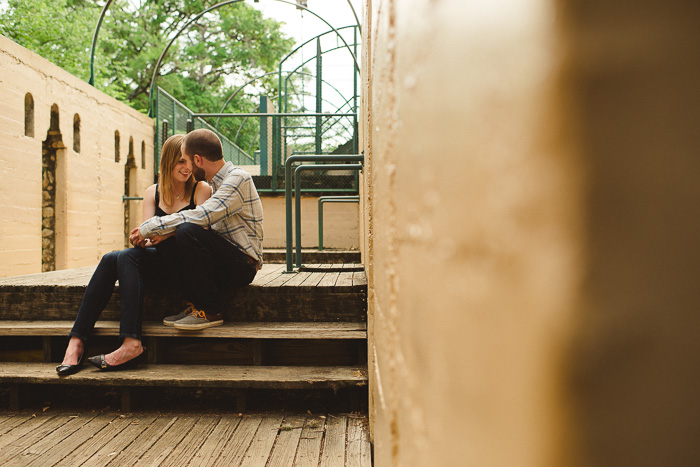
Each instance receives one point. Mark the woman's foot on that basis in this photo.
(74, 351)
(130, 354)
(73, 359)
(130, 349)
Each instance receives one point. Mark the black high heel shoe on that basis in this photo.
(100, 362)
(65, 370)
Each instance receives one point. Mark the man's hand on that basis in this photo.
(136, 239)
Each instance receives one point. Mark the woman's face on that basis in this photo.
(182, 170)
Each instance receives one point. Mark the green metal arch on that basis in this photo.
(187, 25)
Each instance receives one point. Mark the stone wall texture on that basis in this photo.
(87, 185)
(531, 231)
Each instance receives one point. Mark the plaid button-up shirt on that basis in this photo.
(234, 211)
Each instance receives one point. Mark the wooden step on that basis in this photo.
(279, 255)
(254, 330)
(324, 295)
(259, 377)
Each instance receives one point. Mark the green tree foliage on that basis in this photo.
(218, 52)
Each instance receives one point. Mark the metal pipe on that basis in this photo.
(288, 189)
(91, 81)
(297, 195)
(291, 114)
(330, 199)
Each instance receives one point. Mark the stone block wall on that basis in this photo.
(62, 186)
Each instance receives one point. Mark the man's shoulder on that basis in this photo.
(237, 173)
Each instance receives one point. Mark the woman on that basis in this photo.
(176, 191)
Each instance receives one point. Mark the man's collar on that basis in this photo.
(216, 179)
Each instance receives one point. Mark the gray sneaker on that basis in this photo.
(170, 320)
(197, 320)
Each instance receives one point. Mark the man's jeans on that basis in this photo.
(212, 266)
(135, 269)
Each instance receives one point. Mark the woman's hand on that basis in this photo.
(156, 239)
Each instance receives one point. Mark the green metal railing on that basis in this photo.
(173, 117)
(330, 199)
(297, 191)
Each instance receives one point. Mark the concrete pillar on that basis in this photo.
(532, 239)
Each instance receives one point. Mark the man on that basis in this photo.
(219, 242)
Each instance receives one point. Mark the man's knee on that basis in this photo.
(188, 231)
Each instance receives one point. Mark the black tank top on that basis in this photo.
(192, 205)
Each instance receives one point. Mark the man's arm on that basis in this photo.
(225, 201)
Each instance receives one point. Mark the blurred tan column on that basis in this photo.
(533, 237)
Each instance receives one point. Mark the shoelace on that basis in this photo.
(198, 313)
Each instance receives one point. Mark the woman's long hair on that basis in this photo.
(169, 156)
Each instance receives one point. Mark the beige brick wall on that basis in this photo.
(90, 184)
(533, 297)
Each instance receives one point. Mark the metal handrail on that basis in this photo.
(297, 195)
(330, 199)
(288, 191)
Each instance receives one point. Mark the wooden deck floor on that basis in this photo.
(271, 275)
(110, 438)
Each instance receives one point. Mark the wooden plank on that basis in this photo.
(359, 278)
(328, 280)
(344, 279)
(23, 430)
(297, 279)
(40, 447)
(144, 442)
(74, 441)
(165, 445)
(334, 442)
(265, 277)
(216, 442)
(309, 450)
(280, 280)
(267, 272)
(11, 422)
(250, 303)
(234, 330)
(278, 255)
(119, 442)
(287, 442)
(261, 446)
(95, 443)
(280, 377)
(240, 442)
(186, 451)
(358, 451)
(313, 279)
(11, 450)
(51, 278)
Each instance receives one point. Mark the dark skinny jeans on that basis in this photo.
(135, 269)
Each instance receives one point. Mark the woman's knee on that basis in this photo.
(109, 259)
(130, 256)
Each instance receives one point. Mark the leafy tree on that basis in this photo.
(201, 69)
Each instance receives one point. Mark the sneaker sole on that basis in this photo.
(196, 327)
(172, 322)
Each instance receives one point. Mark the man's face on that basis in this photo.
(198, 172)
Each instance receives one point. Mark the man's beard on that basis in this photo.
(198, 174)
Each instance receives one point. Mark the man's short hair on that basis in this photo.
(203, 142)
